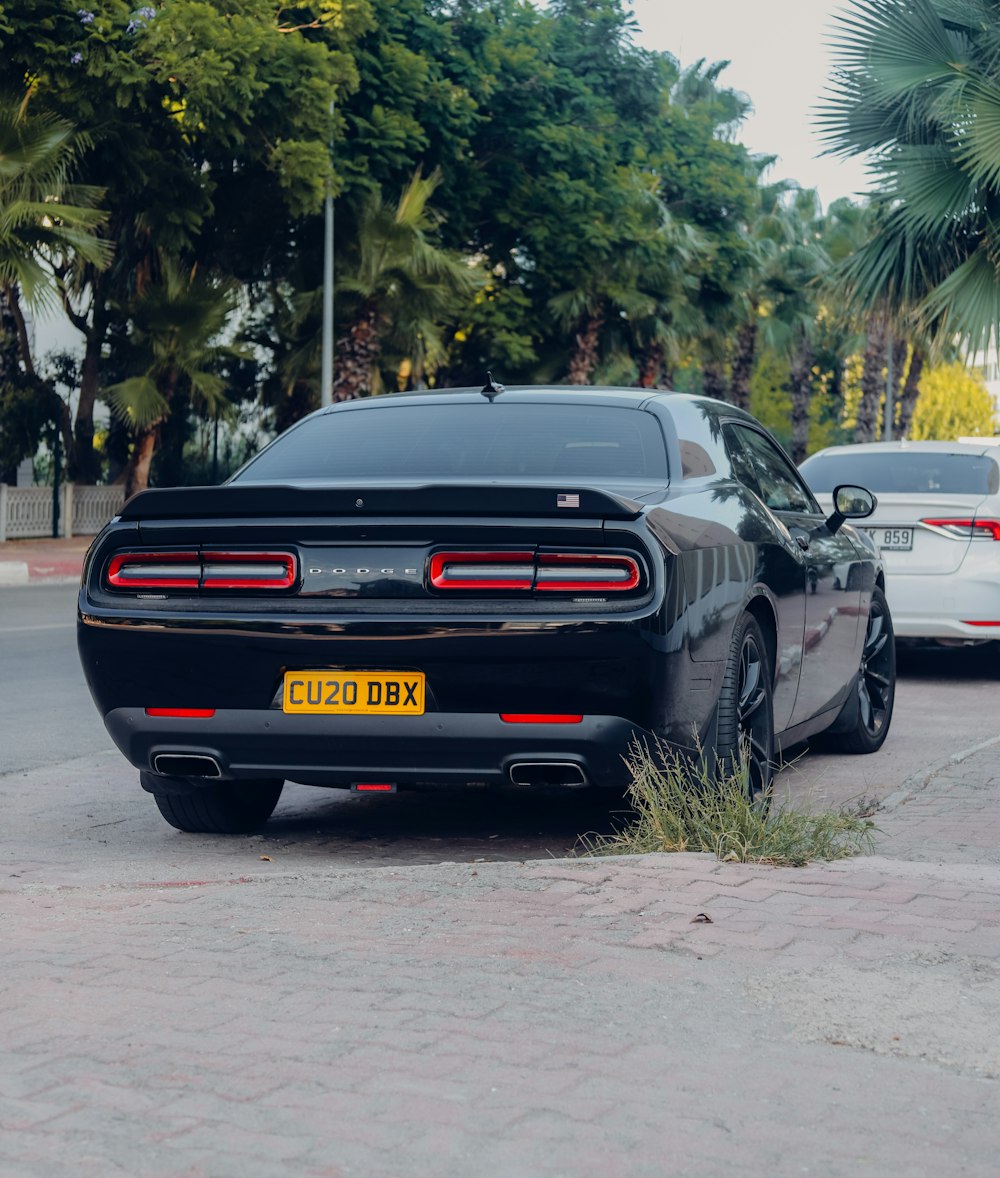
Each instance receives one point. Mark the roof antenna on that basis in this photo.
(491, 389)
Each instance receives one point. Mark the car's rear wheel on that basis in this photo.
(224, 807)
(863, 723)
(746, 709)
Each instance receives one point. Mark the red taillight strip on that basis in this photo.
(539, 718)
(184, 713)
(121, 576)
(589, 570)
(521, 573)
(566, 572)
(281, 576)
(987, 529)
(210, 570)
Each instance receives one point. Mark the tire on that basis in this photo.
(746, 708)
(864, 720)
(225, 807)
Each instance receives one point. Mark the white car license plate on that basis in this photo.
(892, 539)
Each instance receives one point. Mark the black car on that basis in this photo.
(503, 587)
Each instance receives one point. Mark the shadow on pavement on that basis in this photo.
(442, 827)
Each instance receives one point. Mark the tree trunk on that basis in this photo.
(85, 466)
(137, 471)
(911, 391)
(714, 382)
(800, 387)
(651, 367)
(746, 351)
(10, 344)
(23, 343)
(872, 382)
(357, 352)
(586, 343)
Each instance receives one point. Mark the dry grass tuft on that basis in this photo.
(679, 804)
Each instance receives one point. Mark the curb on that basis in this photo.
(13, 572)
(919, 781)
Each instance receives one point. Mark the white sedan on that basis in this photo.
(937, 523)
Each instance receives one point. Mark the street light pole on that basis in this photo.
(326, 376)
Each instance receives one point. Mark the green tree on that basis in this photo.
(210, 127)
(395, 288)
(174, 341)
(44, 217)
(953, 402)
(917, 90)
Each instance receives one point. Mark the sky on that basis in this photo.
(779, 58)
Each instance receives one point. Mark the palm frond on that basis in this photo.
(967, 301)
(137, 402)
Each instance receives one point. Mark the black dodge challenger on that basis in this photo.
(496, 587)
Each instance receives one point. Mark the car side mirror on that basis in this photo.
(850, 502)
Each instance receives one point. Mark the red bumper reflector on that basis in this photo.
(373, 787)
(539, 718)
(185, 713)
(967, 623)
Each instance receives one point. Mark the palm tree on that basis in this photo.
(44, 217)
(917, 90)
(396, 287)
(175, 323)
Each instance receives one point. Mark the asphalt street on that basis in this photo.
(46, 715)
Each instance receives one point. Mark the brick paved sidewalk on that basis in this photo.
(538, 1019)
(30, 562)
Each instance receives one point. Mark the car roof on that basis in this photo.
(549, 393)
(989, 446)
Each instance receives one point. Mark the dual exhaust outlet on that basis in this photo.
(536, 774)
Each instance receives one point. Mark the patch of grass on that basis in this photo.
(679, 804)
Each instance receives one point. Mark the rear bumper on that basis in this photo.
(944, 606)
(435, 749)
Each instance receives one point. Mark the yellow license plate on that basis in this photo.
(354, 693)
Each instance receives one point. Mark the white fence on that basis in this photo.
(83, 511)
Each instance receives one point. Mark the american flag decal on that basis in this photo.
(567, 501)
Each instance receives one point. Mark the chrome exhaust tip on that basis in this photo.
(186, 765)
(547, 773)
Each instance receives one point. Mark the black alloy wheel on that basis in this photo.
(871, 702)
(746, 709)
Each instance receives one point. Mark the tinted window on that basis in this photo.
(780, 486)
(473, 441)
(904, 471)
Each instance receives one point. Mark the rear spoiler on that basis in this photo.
(262, 501)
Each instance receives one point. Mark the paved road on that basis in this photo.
(414, 986)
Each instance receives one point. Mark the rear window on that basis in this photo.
(468, 441)
(904, 472)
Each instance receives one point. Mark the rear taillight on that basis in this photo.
(967, 529)
(247, 570)
(482, 570)
(526, 572)
(154, 570)
(202, 570)
(586, 572)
